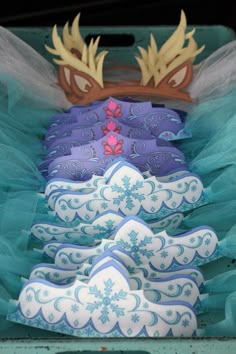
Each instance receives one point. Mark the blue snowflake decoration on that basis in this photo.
(137, 247)
(106, 301)
(128, 193)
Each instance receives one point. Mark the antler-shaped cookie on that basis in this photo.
(156, 65)
(74, 53)
(164, 73)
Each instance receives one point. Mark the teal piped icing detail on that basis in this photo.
(196, 261)
(88, 329)
(184, 207)
(63, 327)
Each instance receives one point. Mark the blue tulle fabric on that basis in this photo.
(22, 128)
(227, 326)
(205, 120)
(25, 112)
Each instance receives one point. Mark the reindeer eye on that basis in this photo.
(178, 77)
(82, 83)
(67, 75)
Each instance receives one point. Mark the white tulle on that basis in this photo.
(214, 77)
(35, 77)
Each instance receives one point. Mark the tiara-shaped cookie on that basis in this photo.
(56, 185)
(104, 306)
(164, 124)
(112, 108)
(116, 253)
(119, 110)
(165, 72)
(91, 233)
(60, 275)
(94, 158)
(83, 136)
(176, 287)
(197, 246)
(59, 185)
(64, 146)
(76, 187)
(128, 192)
(79, 137)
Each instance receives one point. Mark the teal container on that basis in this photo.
(25, 340)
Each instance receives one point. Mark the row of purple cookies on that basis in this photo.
(84, 140)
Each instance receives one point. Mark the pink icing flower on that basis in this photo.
(111, 125)
(112, 146)
(111, 105)
(112, 109)
(112, 140)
